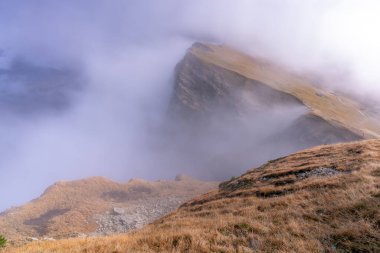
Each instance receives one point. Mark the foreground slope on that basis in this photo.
(324, 199)
(98, 206)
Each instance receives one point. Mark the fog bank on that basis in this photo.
(112, 64)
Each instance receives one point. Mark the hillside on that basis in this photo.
(226, 106)
(213, 81)
(97, 206)
(323, 199)
(287, 88)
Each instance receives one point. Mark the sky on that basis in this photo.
(110, 65)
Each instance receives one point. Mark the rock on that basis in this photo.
(118, 211)
(48, 239)
(75, 235)
(32, 239)
(319, 94)
(320, 172)
(254, 244)
(122, 220)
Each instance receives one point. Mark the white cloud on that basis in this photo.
(127, 51)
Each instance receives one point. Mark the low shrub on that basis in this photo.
(3, 241)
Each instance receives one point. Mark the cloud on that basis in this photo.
(125, 53)
(349, 31)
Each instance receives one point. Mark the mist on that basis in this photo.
(112, 67)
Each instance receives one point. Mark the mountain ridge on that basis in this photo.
(337, 110)
(227, 105)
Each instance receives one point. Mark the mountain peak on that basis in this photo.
(338, 110)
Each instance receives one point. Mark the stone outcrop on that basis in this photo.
(202, 90)
(135, 216)
(232, 111)
(205, 90)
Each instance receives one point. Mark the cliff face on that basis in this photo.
(310, 130)
(215, 81)
(203, 89)
(232, 111)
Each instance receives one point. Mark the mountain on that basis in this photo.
(211, 77)
(27, 89)
(228, 106)
(323, 199)
(228, 112)
(98, 206)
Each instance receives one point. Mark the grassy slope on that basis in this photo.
(337, 110)
(274, 208)
(68, 207)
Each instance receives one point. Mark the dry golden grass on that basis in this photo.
(337, 110)
(287, 205)
(68, 207)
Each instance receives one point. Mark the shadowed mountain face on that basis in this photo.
(28, 89)
(232, 111)
(202, 90)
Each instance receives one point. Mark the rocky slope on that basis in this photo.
(97, 206)
(211, 77)
(217, 82)
(232, 111)
(324, 199)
